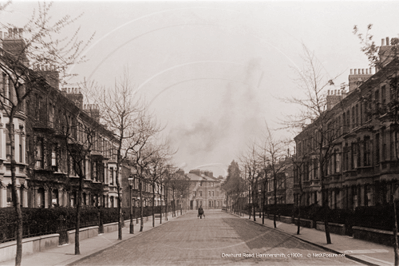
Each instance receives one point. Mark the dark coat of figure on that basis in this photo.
(201, 212)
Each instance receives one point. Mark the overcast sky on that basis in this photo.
(213, 72)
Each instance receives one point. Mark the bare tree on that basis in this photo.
(320, 128)
(158, 162)
(119, 110)
(141, 149)
(299, 165)
(167, 177)
(253, 172)
(3, 6)
(79, 142)
(179, 185)
(36, 44)
(272, 153)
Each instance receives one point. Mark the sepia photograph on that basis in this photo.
(199, 132)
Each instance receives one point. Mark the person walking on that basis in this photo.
(200, 212)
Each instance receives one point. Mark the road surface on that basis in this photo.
(219, 239)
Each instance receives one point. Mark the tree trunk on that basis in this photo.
(253, 204)
(275, 201)
(250, 203)
(325, 209)
(153, 204)
(263, 204)
(119, 206)
(174, 203)
(299, 214)
(118, 165)
(15, 199)
(160, 211)
(166, 204)
(78, 210)
(141, 206)
(240, 203)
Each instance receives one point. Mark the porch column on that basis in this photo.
(46, 198)
(3, 197)
(363, 192)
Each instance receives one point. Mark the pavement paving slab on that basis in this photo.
(366, 252)
(65, 254)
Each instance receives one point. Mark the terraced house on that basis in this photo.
(362, 168)
(45, 171)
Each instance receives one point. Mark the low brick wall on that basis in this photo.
(29, 246)
(304, 223)
(286, 219)
(111, 227)
(373, 235)
(84, 233)
(335, 228)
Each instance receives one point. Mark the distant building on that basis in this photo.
(205, 190)
(285, 184)
(147, 189)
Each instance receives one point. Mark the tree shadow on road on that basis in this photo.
(260, 237)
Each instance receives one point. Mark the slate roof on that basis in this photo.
(194, 177)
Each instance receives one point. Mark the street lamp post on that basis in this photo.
(131, 180)
(137, 218)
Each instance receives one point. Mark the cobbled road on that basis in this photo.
(219, 239)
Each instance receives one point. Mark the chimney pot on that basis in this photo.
(382, 42)
(362, 71)
(351, 72)
(387, 39)
(21, 33)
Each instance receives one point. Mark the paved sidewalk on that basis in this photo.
(64, 255)
(362, 251)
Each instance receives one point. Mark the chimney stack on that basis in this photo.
(358, 76)
(51, 75)
(75, 95)
(14, 43)
(93, 111)
(385, 53)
